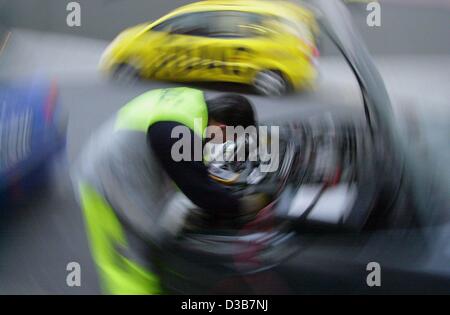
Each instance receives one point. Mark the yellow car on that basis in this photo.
(267, 44)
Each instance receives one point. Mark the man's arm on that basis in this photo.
(191, 177)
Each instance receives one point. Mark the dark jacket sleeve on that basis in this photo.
(191, 177)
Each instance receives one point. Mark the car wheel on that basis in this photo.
(271, 83)
(125, 73)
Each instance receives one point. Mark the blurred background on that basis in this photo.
(411, 49)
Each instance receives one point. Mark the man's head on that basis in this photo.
(230, 110)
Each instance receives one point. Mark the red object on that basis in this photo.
(50, 103)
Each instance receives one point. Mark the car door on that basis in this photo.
(178, 48)
(234, 40)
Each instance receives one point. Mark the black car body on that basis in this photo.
(398, 225)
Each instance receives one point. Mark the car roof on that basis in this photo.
(265, 7)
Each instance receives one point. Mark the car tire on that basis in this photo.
(126, 73)
(271, 83)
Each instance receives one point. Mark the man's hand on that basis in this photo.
(199, 219)
(251, 205)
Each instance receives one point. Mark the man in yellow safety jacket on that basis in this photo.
(127, 173)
